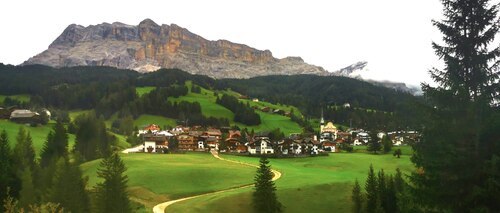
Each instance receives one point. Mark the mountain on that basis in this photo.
(148, 47)
(353, 71)
(357, 70)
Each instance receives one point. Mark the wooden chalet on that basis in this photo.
(187, 142)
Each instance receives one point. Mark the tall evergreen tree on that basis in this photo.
(24, 153)
(382, 190)
(357, 198)
(264, 196)
(5, 165)
(56, 145)
(372, 202)
(111, 195)
(458, 141)
(374, 143)
(386, 141)
(27, 195)
(69, 188)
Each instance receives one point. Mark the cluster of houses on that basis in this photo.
(197, 138)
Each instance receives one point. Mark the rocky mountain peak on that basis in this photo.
(148, 46)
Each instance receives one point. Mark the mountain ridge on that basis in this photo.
(148, 47)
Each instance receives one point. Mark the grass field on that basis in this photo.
(38, 134)
(23, 98)
(146, 119)
(155, 178)
(269, 121)
(143, 90)
(318, 184)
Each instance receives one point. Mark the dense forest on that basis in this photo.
(109, 90)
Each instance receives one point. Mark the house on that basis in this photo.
(265, 109)
(153, 128)
(356, 142)
(187, 142)
(154, 143)
(329, 146)
(23, 116)
(261, 146)
(347, 105)
(211, 132)
(212, 143)
(255, 100)
(233, 142)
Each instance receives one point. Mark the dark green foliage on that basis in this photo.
(386, 141)
(56, 145)
(357, 198)
(6, 166)
(24, 153)
(69, 188)
(242, 113)
(374, 144)
(27, 195)
(195, 89)
(264, 196)
(276, 135)
(111, 195)
(92, 141)
(459, 142)
(397, 153)
(372, 200)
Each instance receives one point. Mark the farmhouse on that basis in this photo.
(261, 146)
(23, 116)
(154, 143)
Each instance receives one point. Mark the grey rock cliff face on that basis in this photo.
(148, 47)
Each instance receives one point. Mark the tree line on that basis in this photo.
(242, 113)
(54, 182)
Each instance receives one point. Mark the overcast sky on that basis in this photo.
(394, 36)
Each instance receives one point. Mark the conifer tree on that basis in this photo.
(382, 190)
(458, 139)
(372, 202)
(5, 165)
(374, 144)
(111, 195)
(357, 198)
(69, 188)
(264, 196)
(27, 195)
(386, 141)
(56, 145)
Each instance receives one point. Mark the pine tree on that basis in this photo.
(357, 198)
(69, 188)
(374, 144)
(111, 195)
(386, 141)
(372, 202)
(56, 145)
(5, 165)
(382, 190)
(27, 195)
(24, 153)
(458, 140)
(264, 196)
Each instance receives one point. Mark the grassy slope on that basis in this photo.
(38, 134)
(23, 98)
(143, 90)
(318, 184)
(154, 178)
(269, 121)
(146, 119)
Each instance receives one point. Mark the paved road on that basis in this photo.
(160, 208)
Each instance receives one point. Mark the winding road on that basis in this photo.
(160, 208)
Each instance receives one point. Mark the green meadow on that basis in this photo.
(270, 121)
(38, 134)
(155, 178)
(146, 119)
(315, 184)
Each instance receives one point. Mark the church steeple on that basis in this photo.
(322, 122)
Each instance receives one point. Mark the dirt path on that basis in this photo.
(160, 208)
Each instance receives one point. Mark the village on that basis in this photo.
(196, 138)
